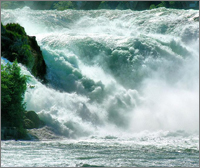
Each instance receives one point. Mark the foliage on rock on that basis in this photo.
(16, 44)
(32, 120)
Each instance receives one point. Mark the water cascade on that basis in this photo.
(114, 72)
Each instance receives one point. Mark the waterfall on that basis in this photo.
(114, 71)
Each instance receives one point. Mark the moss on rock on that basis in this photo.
(28, 124)
(16, 44)
(32, 120)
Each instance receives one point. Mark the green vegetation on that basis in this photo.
(14, 117)
(89, 5)
(62, 5)
(152, 6)
(31, 120)
(16, 44)
(13, 87)
(169, 4)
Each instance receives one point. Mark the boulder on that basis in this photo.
(32, 120)
(28, 124)
(44, 133)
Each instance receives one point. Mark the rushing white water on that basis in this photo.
(116, 73)
(115, 69)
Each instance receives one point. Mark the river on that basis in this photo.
(123, 88)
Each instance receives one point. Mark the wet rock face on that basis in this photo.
(16, 44)
(32, 120)
(39, 66)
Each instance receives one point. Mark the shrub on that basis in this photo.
(13, 87)
(15, 27)
(63, 5)
(152, 6)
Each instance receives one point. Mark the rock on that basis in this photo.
(28, 124)
(16, 44)
(44, 133)
(32, 120)
(39, 66)
(196, 19)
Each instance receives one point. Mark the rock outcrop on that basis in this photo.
(31, 120)
(44, 133)
(16, 44)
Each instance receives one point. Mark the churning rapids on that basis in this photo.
(123, 88)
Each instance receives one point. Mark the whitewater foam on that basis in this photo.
(114, 71)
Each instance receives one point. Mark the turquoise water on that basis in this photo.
(123, 88)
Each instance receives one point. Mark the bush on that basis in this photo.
(168, 4)
(15, 27)
(153, 6)
(63, 5)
